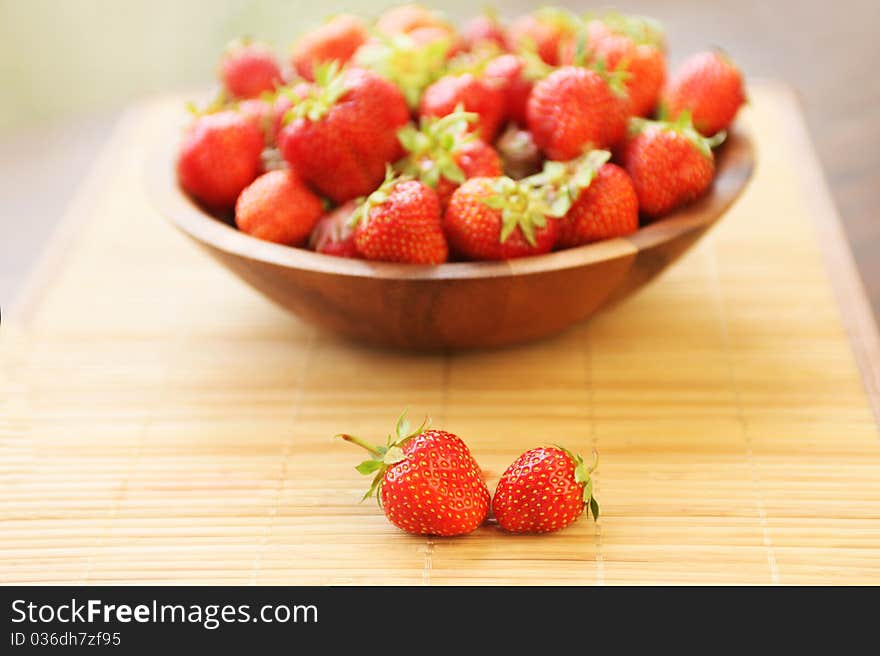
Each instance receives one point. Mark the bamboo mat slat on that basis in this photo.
(162, 423)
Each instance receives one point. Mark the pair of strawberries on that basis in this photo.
(428, 483)
(396, 125)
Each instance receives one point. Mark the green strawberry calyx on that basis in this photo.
(330, 85)
(218, 103)
(562, 19)
(385, 455)
(584, 56)
(366, 204)
(534, 68)
(522, 205)
(473, 61)
(582, 475)
(432, 148)
(565, 181)
(615, 79)
(409, 65)
(582, 52)
(682, 125)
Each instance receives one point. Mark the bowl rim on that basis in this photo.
(735, 161)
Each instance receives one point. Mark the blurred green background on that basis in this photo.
(62, 57)
(69, 67)
(69, 56)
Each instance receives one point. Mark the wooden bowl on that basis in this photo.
(457, 305)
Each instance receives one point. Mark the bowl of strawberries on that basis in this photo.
(411, 184)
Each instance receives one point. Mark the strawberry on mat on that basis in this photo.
(544, 490)
(426, 481)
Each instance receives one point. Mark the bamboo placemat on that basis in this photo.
(162, 423)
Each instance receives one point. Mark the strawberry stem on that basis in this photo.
(361, 443)
(384, 456)
(433, 146)
(595, 464)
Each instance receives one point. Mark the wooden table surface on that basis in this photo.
(161, 422)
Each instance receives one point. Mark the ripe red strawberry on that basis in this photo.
(336, 40)
(278, 207)
(484, 30)
(710, 86)
(646, 66)
(407, 18)
(643, 62)
(606, 209)
(469, 92)
(603, 202)
(442, 154)
(575, 108)
(400, 222)
(516, 75)
(670, 163)
(219, 156)
(333, 234)
(544, 30)
(422, 25)
(520, 156)
(499, 219)
(340, 137)
(426, 481)
(249, 69)
(544, 490)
